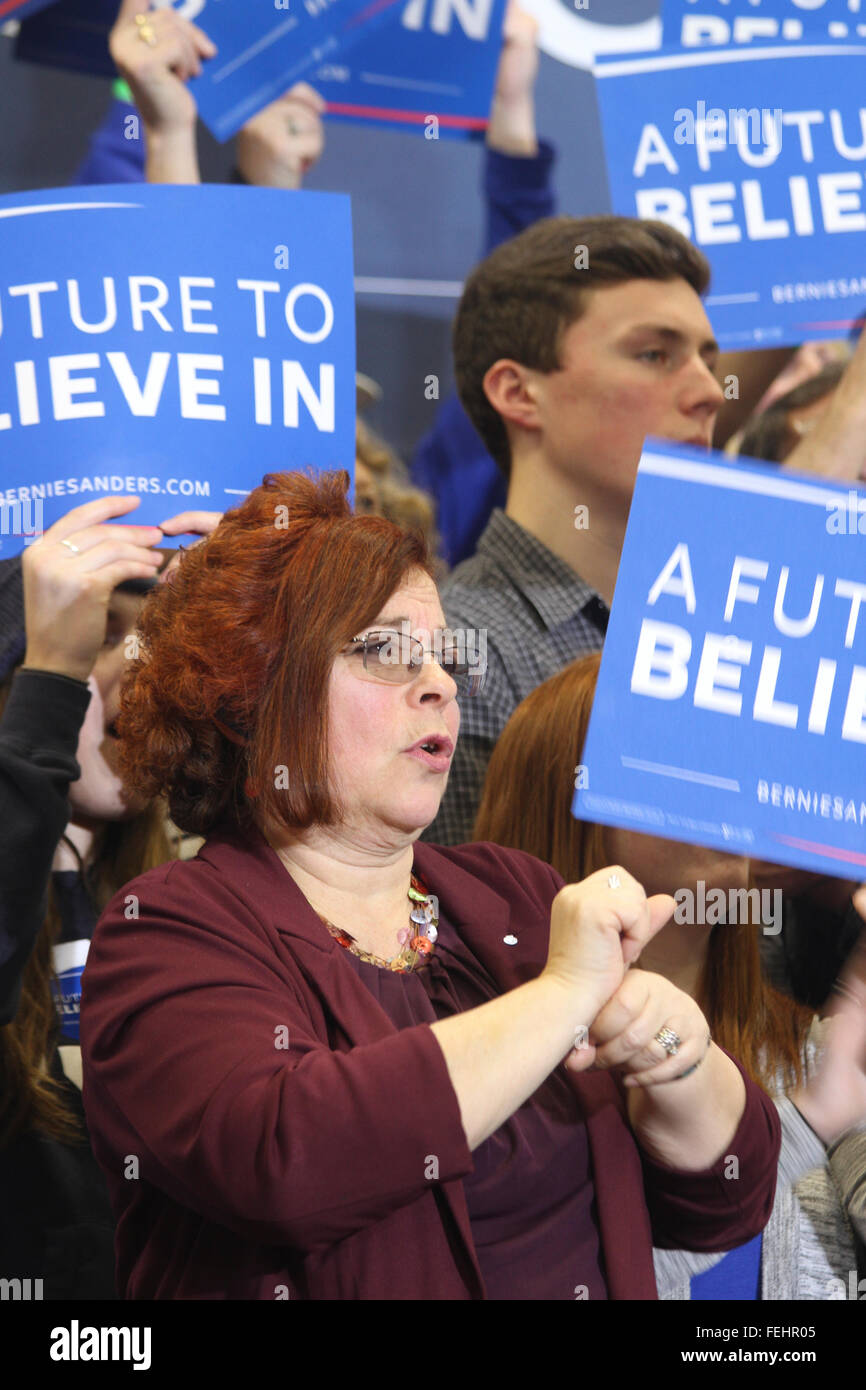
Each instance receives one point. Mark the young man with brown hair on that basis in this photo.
(572, 343)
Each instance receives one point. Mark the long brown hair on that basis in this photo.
(526, 805)
(30, 1098)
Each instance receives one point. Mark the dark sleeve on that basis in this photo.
(39, 733)
(815, 943)
(451, 463)
(728, 1204)
(117, 152)
(200, 1054)
(518, 190)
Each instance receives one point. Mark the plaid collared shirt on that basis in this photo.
(539, 615)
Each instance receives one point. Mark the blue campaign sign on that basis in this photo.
(731, 703)
(176, 343)
(431, 68)
(703, 23)
(264, 46)
(757, 156)
(267, 45)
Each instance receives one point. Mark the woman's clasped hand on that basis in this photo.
(598, 929)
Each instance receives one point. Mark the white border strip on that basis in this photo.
(273, 36)
(422, 289)
(681, 774)
(752, 297)
(407, 84)
(733, 479)
(62, 207)
(704, 57)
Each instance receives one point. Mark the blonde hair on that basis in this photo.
(395, 497)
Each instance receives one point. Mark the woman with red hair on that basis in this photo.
(324, 1060)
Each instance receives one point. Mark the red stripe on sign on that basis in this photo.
(389, 113)
(376, 7)
(847, 856)
(831, 323)
(7, 6)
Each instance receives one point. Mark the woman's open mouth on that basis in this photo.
(435, 751)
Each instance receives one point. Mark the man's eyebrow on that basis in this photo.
(709, 347)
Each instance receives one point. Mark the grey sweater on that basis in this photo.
(808, 1250)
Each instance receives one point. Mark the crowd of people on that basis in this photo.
(311, 986)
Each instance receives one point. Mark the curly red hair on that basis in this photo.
(231, 684)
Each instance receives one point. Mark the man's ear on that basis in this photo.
(511, 389)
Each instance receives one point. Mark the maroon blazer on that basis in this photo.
(267, 1133)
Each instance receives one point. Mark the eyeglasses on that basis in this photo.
(398, 658)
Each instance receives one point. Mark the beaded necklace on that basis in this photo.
(418, 939)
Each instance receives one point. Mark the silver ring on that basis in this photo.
(69, 546)
(669, 1040)
(613, 881)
